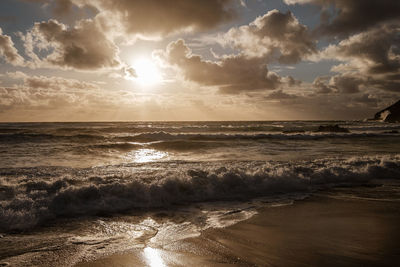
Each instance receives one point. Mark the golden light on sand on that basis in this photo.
(147, 72)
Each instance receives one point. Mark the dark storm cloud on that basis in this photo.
(159, 17)
(84, 46)
(8, 50)
(352, 16)
(231, 74)
(274, 35)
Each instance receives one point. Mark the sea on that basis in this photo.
(72, 192)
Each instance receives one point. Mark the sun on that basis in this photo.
(147, 72)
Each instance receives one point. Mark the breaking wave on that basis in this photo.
(33, 196)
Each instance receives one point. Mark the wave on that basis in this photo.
(47, 137)
(173, 145)
(154, 136)
(33, 196)
(186, 145)
(164, 136)
(114, 146)
(174, 128)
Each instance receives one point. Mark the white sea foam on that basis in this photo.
(31, 196)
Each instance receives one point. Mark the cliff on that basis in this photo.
(389, 114)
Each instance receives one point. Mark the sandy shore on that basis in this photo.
(319, 231)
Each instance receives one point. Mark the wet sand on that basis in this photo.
(319, 231)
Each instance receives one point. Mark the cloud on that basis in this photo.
(353, 16)
(340, 84)
(279, 94)
(49, 98)
(8, 50)
(154, 18)
(57, 83)
(52, 82)
(42, 92)
(366, 99)
(290, 81)
(231, 74)
(346, 84)
(274, 35)
(83, 47)
(321, 85)
(27, 99)
(375, 51)
(62, 7)
(371, 60)
(352, 83)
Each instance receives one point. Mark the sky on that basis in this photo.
(134, 60)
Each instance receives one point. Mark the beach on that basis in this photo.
(318, 231)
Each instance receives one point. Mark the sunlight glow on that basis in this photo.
(153, 257)
(147, 155)
(147, 72)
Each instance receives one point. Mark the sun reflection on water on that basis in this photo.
(153, 257)
(147, 155)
